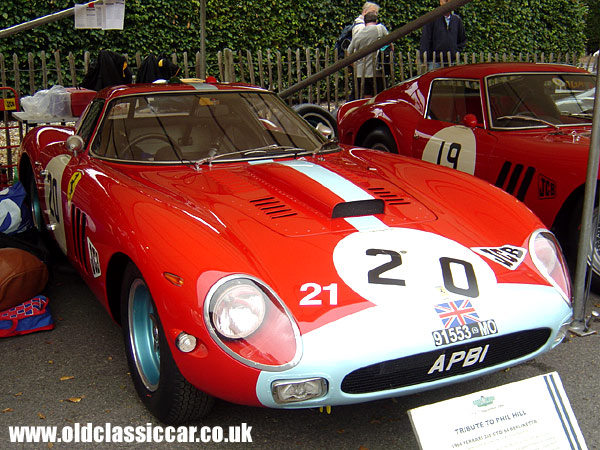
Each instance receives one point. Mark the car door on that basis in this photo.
(441, 136)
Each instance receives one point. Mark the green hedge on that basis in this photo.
(159, 26)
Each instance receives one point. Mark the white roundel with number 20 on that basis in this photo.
(53, 197)
(397, 264)
(453, 147)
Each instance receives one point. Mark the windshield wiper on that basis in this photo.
(582, 115)
(267, 150)
(532, 119)
(332, 144)
(270, 149)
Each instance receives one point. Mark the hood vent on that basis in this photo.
(358, 208)
(389, 197)
(273, 208)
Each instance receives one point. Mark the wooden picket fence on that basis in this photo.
(271, 69)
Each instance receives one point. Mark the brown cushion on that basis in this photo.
(22, 276)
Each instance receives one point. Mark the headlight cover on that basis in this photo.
(550, 262)
(250, 323)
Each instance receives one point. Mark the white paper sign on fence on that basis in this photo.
(107, 15)
(532, 414)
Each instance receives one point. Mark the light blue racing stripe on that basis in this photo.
(343, 188)
(337, 184)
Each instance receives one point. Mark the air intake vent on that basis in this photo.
(79, 222)
(358, 208)
(273, 207)
(389, 197)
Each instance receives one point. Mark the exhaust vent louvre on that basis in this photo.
(389, 197)
(273, 208)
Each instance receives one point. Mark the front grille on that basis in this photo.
(413, 370)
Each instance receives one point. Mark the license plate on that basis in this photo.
(447, 336)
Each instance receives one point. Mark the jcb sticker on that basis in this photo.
(72, 184)
(509, 256)
(546, 188)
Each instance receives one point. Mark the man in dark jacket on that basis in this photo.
(443, 35)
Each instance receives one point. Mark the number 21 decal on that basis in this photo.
(315, 290)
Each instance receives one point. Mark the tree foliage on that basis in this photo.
(166, 26)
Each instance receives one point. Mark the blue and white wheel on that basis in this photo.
(144, 334)
(155, 375)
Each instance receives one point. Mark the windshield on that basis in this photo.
(532, 100)
(202, 126)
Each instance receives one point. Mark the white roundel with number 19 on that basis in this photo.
(399, 264)
(453, 147)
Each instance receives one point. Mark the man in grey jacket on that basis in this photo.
(364, 68)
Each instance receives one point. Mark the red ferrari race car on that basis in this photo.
(250, 259)
(523, 127)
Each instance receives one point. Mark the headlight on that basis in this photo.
(549, 260)
(250, 323)
(239, 309)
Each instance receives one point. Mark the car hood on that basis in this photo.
(291, 197)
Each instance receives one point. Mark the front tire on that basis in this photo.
(572, 244)
(157, 380)
(381, 139)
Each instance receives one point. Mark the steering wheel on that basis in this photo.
(152, 136)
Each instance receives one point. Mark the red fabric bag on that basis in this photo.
(28, 317)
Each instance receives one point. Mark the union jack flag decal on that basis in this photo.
(457, 313)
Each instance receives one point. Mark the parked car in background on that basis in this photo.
(523, 127)
(248, 258)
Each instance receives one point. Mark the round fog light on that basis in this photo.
(185, 342)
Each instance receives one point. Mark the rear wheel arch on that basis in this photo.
(369, 126)
(567, 227)
(569, 210)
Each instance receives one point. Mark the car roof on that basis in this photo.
(482, 70)
(184, 85)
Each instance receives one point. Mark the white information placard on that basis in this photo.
(113, 14)
(532, 414)
(88, 16)
(107, 15)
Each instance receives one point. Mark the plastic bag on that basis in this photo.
(53, 102)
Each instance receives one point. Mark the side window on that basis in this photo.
(451, 100)
(88, 124)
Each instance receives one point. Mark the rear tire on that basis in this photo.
(157, 380)
(381, 139)
(34, 203)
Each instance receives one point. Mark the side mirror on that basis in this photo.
(470, 120)
(74, 143)
(324, 130)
